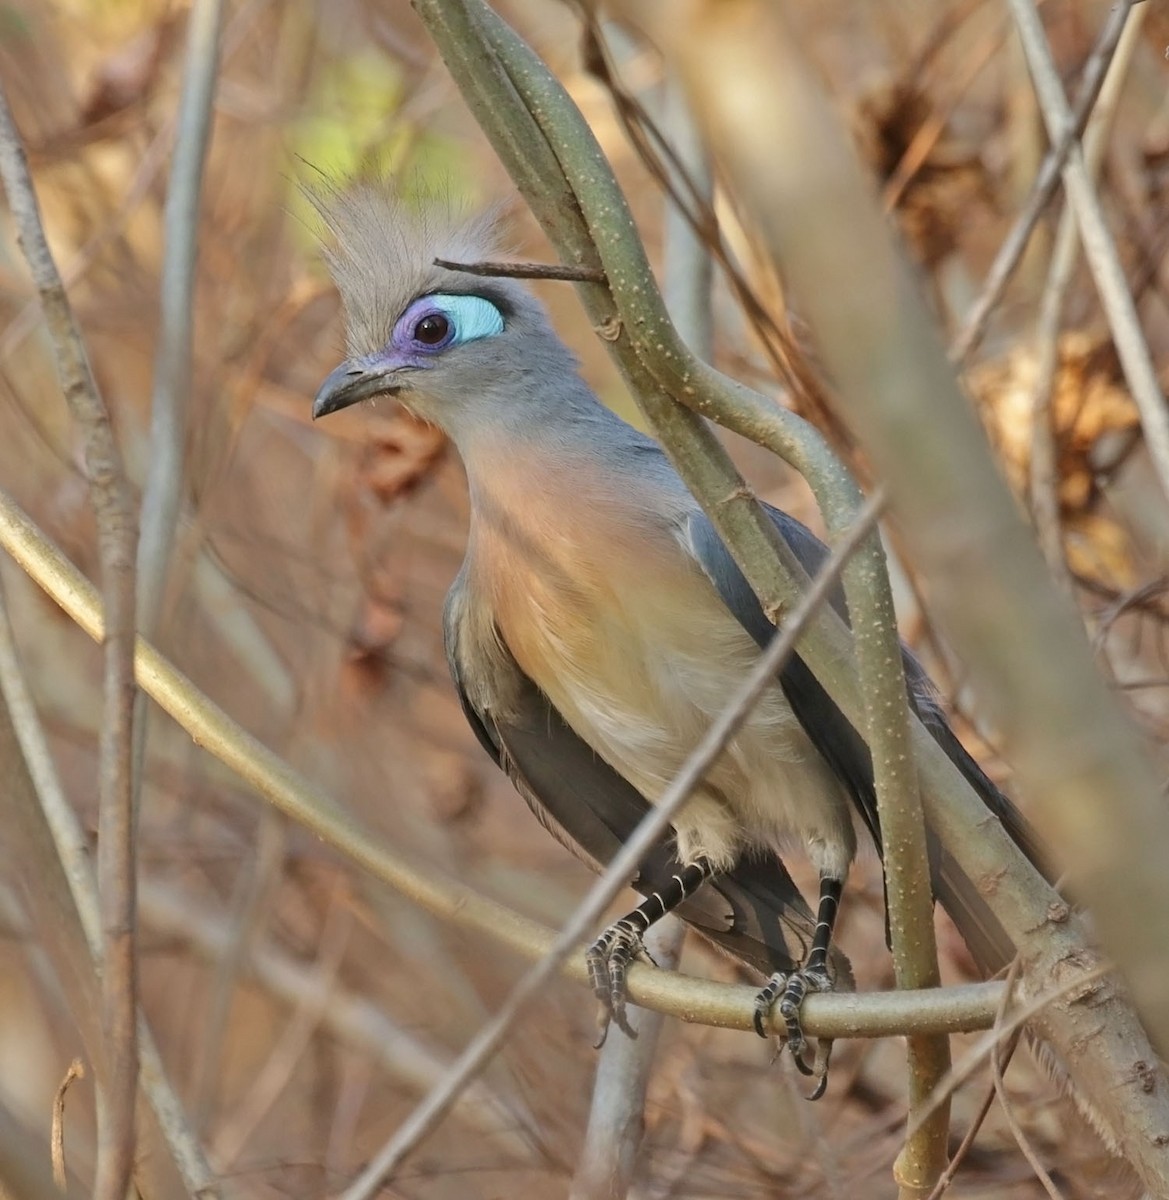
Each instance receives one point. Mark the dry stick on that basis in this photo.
(348, 1017)
(729, 1006)
(947, 1176)
(57, 1132)
(616, 1118)
(147, 168)
(491, 1037)
(1099, 246)
(1044, 467)
(162, 495)
(23, 1173)
(1011, 251)
(252, 894)
(1000, 1056)
(1021, 1139)
(528, 270)
(117, 536)
(272, 1078)
(1021, 639)
(72, 849)
(616, 1124)
(984, 1047)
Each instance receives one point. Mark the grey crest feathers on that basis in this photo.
(383, 251)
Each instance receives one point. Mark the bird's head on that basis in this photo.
(450, 345)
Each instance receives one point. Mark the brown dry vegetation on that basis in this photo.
(311, 565)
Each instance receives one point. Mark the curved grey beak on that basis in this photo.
(349, 383)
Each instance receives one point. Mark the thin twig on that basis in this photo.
(72, 850)
(117, 538)
(981, 1051)
(608, 1155)
(947, 1176)
(423, 1120)
(163, 493)
(999, 1057)
(1011, 251)
(57, 1133)
(616, 1117)
(692, 198)
(1044, 463)
(250, 909)
(273, 1077)
(348, 1017)
(1099, 245)
(529, 270)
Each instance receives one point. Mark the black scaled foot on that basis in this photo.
(790, 991)
(610, 955)
(608, 960)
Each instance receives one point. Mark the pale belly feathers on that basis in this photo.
(632, 644)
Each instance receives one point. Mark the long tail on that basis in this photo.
(955, 890)
(988, 942)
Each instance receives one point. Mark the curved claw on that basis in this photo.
(791, 990)
(820, 1068)
(798, 1058)
(608, 961)
(764, 1002)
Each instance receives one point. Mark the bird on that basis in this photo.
(598, 625)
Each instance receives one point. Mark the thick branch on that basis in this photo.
(1096, 793)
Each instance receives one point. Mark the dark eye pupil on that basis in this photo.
(432, 329)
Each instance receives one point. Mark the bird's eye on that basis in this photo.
(432, 329)
(434, 324)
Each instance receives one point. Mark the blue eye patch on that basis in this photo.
(434, 323)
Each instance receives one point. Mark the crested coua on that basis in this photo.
(598, 624)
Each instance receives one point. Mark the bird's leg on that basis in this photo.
(610, 955)
(813, 976)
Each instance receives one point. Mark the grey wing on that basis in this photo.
(754, 912)
(846, 751)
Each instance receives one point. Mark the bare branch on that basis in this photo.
(1011, 251)
(163, 493)
(517, 270)
(72, 852)
(1022, 643)
(348, 1016)
(57, 1131)
(617, 1114)
(1099, 246)
(117, 538)
(1044, 481)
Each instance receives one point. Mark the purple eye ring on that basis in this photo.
(439, 322)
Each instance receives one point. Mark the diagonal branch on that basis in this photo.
(1099, 246)
(729, 1006)
(1010, 253)
(1075, 752)
(487, 1042)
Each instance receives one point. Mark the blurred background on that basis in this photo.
(301, 1010)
